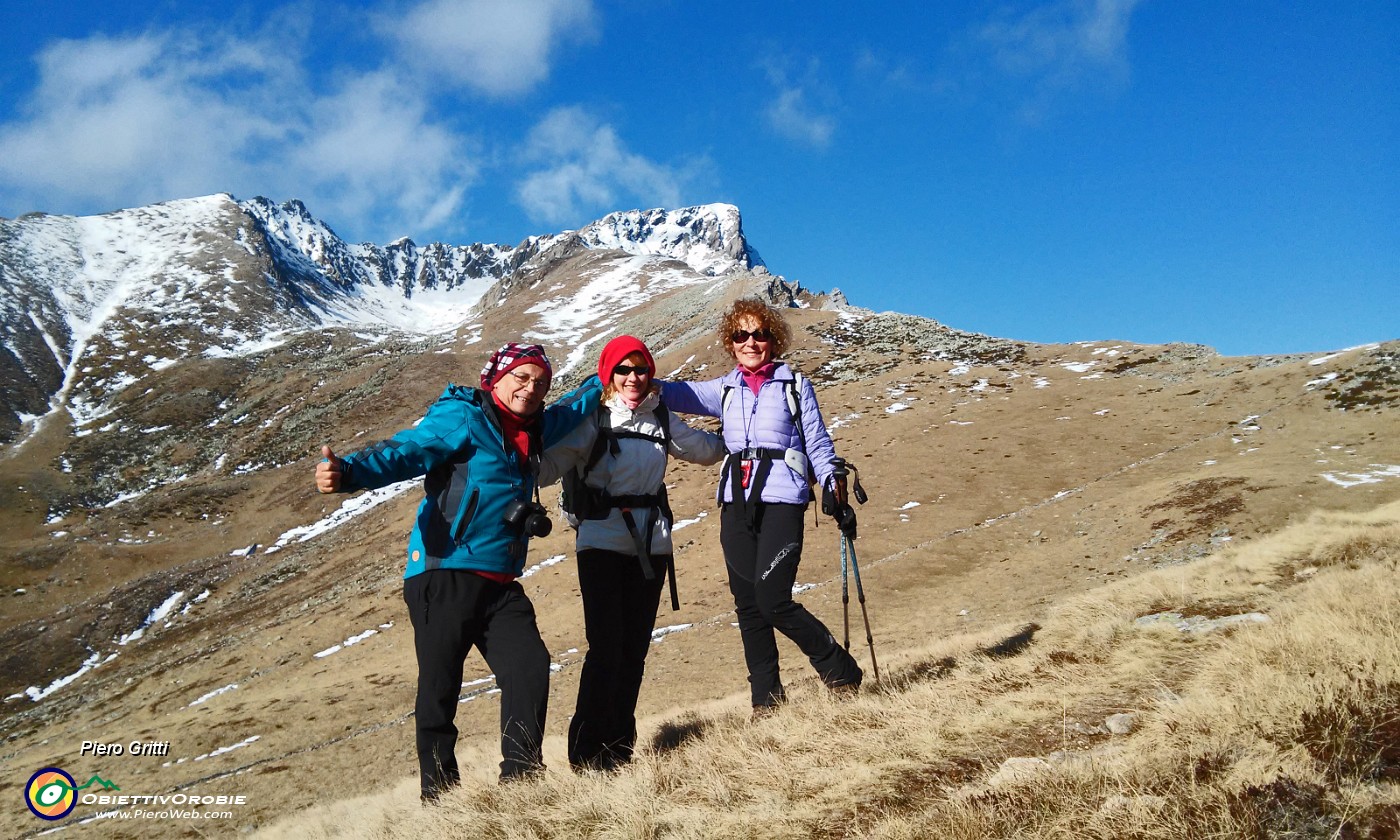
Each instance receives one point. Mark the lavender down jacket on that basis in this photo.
(763, 422)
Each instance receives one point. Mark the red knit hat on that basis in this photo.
(617, 350)
(512, 356)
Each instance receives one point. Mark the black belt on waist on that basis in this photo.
(759, 454)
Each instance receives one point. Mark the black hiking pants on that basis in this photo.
(761, 555)
(452, 610)
(619, 611)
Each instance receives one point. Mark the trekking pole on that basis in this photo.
(838, 483)
(845, 597)
(860, 596)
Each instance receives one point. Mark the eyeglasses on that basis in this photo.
(524, 380)
(623, 370)
(760, 335)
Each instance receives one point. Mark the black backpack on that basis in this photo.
(579, 501)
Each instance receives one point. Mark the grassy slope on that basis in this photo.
(1287, 727)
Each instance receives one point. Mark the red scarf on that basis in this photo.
(513, 426)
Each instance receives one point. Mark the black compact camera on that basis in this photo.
(528, 518)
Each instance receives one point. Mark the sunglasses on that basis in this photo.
(623, 370)
(760, 335)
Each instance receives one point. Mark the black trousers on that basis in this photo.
(452, 610)
(619, 611)
(761, 556)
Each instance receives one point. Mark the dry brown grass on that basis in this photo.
(1288, 727)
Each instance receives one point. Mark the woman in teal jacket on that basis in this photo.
(479, 452)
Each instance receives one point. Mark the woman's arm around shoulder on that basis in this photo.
(571, 451)
(565, 414)
(693, 397)
(695, 445)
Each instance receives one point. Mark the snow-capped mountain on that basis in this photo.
(709, 239)
(89, 306)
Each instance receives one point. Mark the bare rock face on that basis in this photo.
(1121, 724)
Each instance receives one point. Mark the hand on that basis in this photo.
(329, 471)
(845, 517)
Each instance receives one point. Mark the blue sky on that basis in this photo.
(1050, 170)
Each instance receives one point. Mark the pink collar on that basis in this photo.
(755, 379)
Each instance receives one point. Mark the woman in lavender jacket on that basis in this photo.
(765, 487)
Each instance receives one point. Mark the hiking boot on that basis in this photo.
(528, 774)
(844, 692)
(434, 796)
(762, 711)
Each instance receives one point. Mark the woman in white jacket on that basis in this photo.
(623, 543)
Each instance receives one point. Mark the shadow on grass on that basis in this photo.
(1013, 644)
(937, 669)
(675, 734)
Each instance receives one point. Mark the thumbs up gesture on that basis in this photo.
(329, 471)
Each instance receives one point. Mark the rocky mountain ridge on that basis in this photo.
(91, 305)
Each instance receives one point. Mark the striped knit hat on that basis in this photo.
(511, 356)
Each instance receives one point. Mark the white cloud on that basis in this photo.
(120, 122)
(792, 114)
(793, 117)
(501, 49)
(586, 169)
(1063, 45)
(136, 120)
(372, 153)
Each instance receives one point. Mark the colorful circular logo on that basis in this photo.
(50, 794)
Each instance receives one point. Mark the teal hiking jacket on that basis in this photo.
(470, 476)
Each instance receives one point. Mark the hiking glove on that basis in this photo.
(845, 517)
(834, 496)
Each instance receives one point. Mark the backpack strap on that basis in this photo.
(603, 440)
(596, 502)
(663, 419)
(534, 452)
(793, 390)
(656, 505)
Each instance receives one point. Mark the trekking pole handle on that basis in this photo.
(839, 473)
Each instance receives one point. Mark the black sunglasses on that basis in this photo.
(623, 370)
(760, 334)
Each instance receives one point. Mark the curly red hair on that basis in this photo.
(768, 318)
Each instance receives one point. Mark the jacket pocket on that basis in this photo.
(465, 515)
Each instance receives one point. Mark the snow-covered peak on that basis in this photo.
(709, 238)
(292, 224)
